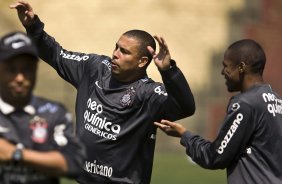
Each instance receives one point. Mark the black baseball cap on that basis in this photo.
(16, 43)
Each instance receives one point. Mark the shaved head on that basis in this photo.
(145, 40)
(249, 52)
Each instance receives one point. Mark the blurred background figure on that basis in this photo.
(37, 142)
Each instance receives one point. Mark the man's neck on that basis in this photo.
(16, 102)
(251, 81)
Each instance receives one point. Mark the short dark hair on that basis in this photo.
(250, 52)
(145, 39)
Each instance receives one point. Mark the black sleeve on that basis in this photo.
(180, 100)
(69, 65)
(231, 141)
(68, 144)
(8, 132)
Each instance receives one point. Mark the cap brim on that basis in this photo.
(23, 51)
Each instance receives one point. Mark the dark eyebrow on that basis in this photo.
(123, 50)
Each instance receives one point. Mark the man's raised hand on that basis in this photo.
(161, 59)
(25, 12)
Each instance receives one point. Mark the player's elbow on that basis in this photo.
(212, 165)
(215, 164)
(190, 110)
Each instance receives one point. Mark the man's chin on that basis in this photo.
(20, 95)
(231, 90)
(115, 73)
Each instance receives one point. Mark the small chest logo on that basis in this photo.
(39, 129)
(127, 99)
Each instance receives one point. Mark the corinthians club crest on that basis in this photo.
(127, 98)
(39, 129)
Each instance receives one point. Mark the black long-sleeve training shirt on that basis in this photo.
(115, 119)
(249, 142)
(42, 125)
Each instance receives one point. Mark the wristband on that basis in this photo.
(17, 155)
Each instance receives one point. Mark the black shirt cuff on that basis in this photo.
(171, 72)
(186, 138)
(35, 28)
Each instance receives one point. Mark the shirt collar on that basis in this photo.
(8, 109)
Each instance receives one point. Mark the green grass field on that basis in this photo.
(177, 169)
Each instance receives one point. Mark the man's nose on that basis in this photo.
(116, 53)
(19, 77)
(222, 71)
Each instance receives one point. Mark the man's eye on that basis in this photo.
(124, 51)
(12, 70)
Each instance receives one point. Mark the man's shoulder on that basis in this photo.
(99, 59)
(148, 87)
(43, 104)
(255, 97)
(98, 63)
(148, 83)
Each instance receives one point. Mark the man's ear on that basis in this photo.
(242, 67)
(143, 61)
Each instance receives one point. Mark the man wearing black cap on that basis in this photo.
(36, 135)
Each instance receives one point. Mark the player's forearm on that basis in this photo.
(48, 48)
(51, 163)
(178, 88)
(202, 152)
(66, 63)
